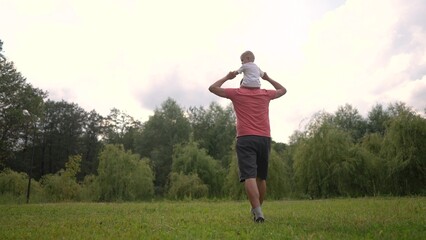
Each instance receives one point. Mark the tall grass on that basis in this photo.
(363, 218)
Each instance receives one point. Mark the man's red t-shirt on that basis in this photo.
(252, 109)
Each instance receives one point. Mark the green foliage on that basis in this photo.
(14, 186)
(350, 174)
(91, 144)
(375, 169)
(212, 124)
(279, 177)
(166, 128)
(233, 188)
(348, 118)
(186, 186)
(189, 159)
(121, 128)
(123, 176)
(13, 182)
(63, 134)
(388, 159)
(90, 190)
(60, 188)
(377, 119)
(404, 149)
(63, 186)
(322, 162)
(16, 96)
(72, 167)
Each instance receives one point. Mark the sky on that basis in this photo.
(134, 54)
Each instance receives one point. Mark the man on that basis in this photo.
(251, 106)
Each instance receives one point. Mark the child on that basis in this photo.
(251, 71)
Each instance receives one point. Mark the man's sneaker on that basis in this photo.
(259, 220)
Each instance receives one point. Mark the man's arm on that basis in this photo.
(216, 87)
(280, 89)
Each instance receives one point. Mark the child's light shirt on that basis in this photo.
(252, 74)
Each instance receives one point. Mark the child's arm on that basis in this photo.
(261, 73)
(240, 70)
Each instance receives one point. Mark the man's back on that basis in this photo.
(252, 109)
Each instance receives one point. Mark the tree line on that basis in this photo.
(73, 154)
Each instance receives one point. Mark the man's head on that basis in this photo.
(247, 56)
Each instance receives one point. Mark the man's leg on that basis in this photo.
(253, 195)
(261, 186)
(252, 192)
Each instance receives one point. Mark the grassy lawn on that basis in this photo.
(362, 218)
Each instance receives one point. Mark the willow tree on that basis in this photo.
(190, 159)
(123, 176)
(375, 165)
(232, 187)
(279, 176)
(404, 149)
(322, 162)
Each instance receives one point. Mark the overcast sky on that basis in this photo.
(134, 54)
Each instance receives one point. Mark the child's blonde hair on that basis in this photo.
(248, 55)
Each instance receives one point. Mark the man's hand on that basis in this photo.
(280, 89)
(216, 87)
(265, 76)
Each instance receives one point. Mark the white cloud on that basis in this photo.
(133, 54)
(349, 57)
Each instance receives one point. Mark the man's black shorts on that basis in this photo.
(253, 156)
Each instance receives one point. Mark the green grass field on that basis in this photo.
(362, 218)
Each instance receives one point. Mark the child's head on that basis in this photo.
(247, 56)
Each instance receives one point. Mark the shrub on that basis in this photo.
(13, 182)
(90, 190)
(14, 186)
(59, 187)
(123, 176)
(233, 188)
(63, 185)
(187, 186)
